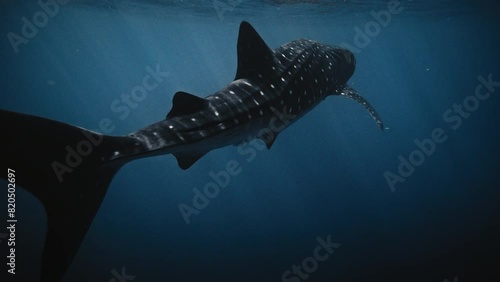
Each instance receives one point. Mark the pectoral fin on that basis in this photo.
(353, 94)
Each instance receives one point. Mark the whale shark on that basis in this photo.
(69, 168)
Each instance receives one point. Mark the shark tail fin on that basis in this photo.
(68, 169)
(353, 94)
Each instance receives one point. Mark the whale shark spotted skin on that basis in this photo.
(272, 89)
(291, 80)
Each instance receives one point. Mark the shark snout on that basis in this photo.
(349, 57)
(347, 64)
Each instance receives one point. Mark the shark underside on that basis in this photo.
(69, 168)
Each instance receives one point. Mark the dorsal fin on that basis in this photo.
(254, 56)
(185, 103)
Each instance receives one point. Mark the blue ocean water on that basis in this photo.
(332, 176)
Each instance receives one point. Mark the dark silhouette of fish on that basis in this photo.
(69, 168)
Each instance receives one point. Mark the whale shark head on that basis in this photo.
(346, 64)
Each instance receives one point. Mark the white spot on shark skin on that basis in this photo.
(289, 72)
(283, 79)
(171, 126)
(256, 102)
(248, 84)
(249, 116)
(217, 97)
(216, 113)
(272, 86)
(116, 153)
(193, 119)
(301, 78)
(315, 80)
(261, 112)
(259, 75)
(231, 92)
(261, 93)
(273, 68)
(283, 55)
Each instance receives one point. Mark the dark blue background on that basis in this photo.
(324, 175)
